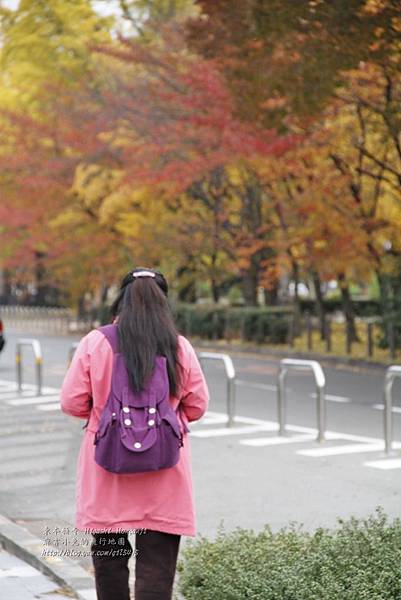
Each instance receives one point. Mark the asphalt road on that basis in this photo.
(246, 476)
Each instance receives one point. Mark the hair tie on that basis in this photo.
(144, 274)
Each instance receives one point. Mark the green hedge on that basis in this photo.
(363, 308)
(260, 325)
(359, 560)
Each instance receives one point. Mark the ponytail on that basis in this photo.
(146, 327)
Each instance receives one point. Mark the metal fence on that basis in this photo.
(39, 319)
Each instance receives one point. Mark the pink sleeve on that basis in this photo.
(194, 393)
(87, 374)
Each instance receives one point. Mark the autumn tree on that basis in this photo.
(283, 58)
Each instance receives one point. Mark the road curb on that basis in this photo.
(62, 570)
(264, 351)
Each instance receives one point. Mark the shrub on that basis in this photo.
(362, 308)
(359, 560)
(249, 323)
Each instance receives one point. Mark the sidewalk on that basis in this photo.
(21, 581)
(26, 574)
(26, 571)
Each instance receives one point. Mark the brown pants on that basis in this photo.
(156, 560)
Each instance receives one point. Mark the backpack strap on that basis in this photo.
(110, 332)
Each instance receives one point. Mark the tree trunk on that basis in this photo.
(386, 301)
(348, 308)
(317, 287)
(41, 287)
(215, 290)
(250, 285)
(297, 305)
(187, 292)
(271, 295)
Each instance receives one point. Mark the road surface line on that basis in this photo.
(260, 386)
(301, 429)
(277, 440)
(385, 464)
(340, 450)
(29, 386)
(50, 406)
(334, 398)
(394, 409)
(33, 400)
(209, 420)
(14, 394)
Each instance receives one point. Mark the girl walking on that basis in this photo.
(158, 504)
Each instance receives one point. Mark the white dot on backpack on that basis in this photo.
(137, 444)
(152, 411)
(151, 422)
(126, 409)
(127, 421)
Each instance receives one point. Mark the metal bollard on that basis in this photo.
(289, 363)
(230, 373)
(392, 373)
(37, 350)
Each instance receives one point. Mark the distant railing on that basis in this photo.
(41, 319)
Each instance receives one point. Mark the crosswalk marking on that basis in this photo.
(339, 450)
(277, 440)
(50, 406)
(212, 419)
(11, 385)
(213, 425)
(296, 434)
(334, 398)
(11, 396)
(32, 400)
(259, 386)
(385, 464)
(227, 431)
(394, 409)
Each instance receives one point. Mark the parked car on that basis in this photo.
(2, 338)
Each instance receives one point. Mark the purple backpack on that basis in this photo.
(137, 431)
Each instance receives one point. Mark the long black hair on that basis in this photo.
(146, 326)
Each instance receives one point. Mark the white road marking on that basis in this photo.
(211, 420)
(273, 425)
(11, 385)
(340, 450)
(243, 425)
(277, 440)
(261, 386)
(394, 409)
(385, 464)
(360, 443)
(334, 398)
(50, 406)
(13, 394)
(33, 400)
(226, 431)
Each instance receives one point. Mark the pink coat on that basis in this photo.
(159, 500)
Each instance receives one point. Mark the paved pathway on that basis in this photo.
(20, 581)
